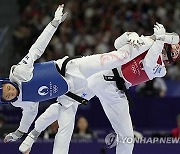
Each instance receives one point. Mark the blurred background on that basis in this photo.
(91, 27)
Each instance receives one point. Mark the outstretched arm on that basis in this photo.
(43, 40)
(29, 112)
(23, 71)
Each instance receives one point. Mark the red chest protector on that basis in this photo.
(133, 71)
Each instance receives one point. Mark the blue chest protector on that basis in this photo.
(47, 83)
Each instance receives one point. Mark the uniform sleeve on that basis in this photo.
(24, 69)
(41, 43)
(157, 71)
(152, 68)
(29, 113)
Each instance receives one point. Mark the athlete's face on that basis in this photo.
(175, 51)
(9, 92)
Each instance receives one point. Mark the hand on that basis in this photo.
(135, 40)
(27, 144)
(59, 14)
(14, 136)
(159, 31)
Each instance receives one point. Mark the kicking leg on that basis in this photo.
(90, 65)
(48, 117)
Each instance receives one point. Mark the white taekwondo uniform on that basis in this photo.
(113, 100)
(77, 71)
(145, 63)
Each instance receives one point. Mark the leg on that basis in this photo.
(116, 107)
(48, 117)
(118, 115)
(66, 125)
(95, 63)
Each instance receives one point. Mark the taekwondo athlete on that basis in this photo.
(29, 83)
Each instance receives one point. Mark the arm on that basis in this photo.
(153, 54)
(23, 70)
(151, 65)
(29, 113)
(152, 68)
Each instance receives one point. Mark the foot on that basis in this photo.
(26, 145)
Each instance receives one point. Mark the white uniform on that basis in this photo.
(77, 71)
(113, 100)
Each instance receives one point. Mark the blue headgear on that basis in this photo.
(4, 81)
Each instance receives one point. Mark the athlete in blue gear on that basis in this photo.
(31, 83)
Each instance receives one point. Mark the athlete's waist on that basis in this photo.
(110, 73)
